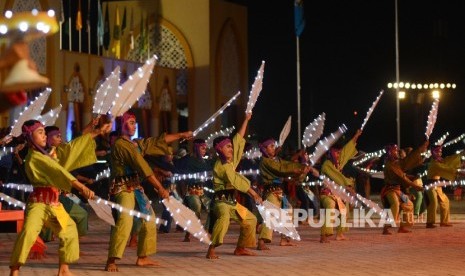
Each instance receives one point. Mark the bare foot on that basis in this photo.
(445, 224)
(64, 270)
(403, 230)
(14, 271)
(261, 245)
(111, 265)
(386, 232)
(286, 242)
(145, 261)
(340, 237)
(324, 239)
(241, 251)
(211, 253)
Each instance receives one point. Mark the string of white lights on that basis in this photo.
(353, 198)
(216, 114)
(443, 183)
(223, 132)
(370, 110)
(12, 201)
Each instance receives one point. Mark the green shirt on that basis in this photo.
(225, 176)
(335, 174)
(44, 171)
(272, 168)
(446, 169)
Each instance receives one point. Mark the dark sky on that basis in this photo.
(348, 56)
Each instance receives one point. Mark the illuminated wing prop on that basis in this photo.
(187, 219)
(355, 200)
(256, 89)
(103, 207)
(49, 118)
(31, 112)
(314, 131)
(216, 114)
(455, 140)
(133, 88)
(277, 219)
(285, 131)
(433, 114)
(106, 93)
(223, 132)
(324, 144)
(370, 110)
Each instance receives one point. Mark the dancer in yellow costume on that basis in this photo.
(225, 182)
(440, 168)
(396, 182)
(272, 170)
(129, 168)
(49, 176)
(332, 168)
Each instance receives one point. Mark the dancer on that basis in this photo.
(393, 194)
(225, 182)
(272, 170)
(129, 168)
(49, 176)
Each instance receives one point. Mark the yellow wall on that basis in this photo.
(197, 21)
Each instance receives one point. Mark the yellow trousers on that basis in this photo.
(329, 204)
(225, 212)
(147, 240)
(58, 220)
(437, 197)
(397, 205)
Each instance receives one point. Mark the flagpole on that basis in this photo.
(88, 27)
(298, 92)
(69, 28)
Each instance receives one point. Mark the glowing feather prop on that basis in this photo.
(455, 140)
(370, 110)
(223, 132)
(106, 93)
(285, 131)
(314, 131)
(12, 201)
(441, 140)
(216, 114)
(186, 218)
(277, 220)
(31, 112)
(433, 113)
(324, 144)
(256, 89)
(133, 88)
(49, 118)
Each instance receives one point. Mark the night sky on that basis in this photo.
(348, 56)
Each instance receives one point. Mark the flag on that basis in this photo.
(299, 20)
(123, 23)
(142, 45)
(88, 16)
(100, 24)
(106, 30)
(116, 49)
(79, 18)
(131, 31)
(62, 12)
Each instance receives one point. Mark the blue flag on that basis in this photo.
(100, 24)
(299, 20)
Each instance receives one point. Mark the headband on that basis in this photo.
(28, 130)
(222, 144)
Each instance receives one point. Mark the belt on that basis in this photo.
(126, 182)
(47, 195)
(226, 195)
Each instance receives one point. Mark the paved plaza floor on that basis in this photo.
(439, 251)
